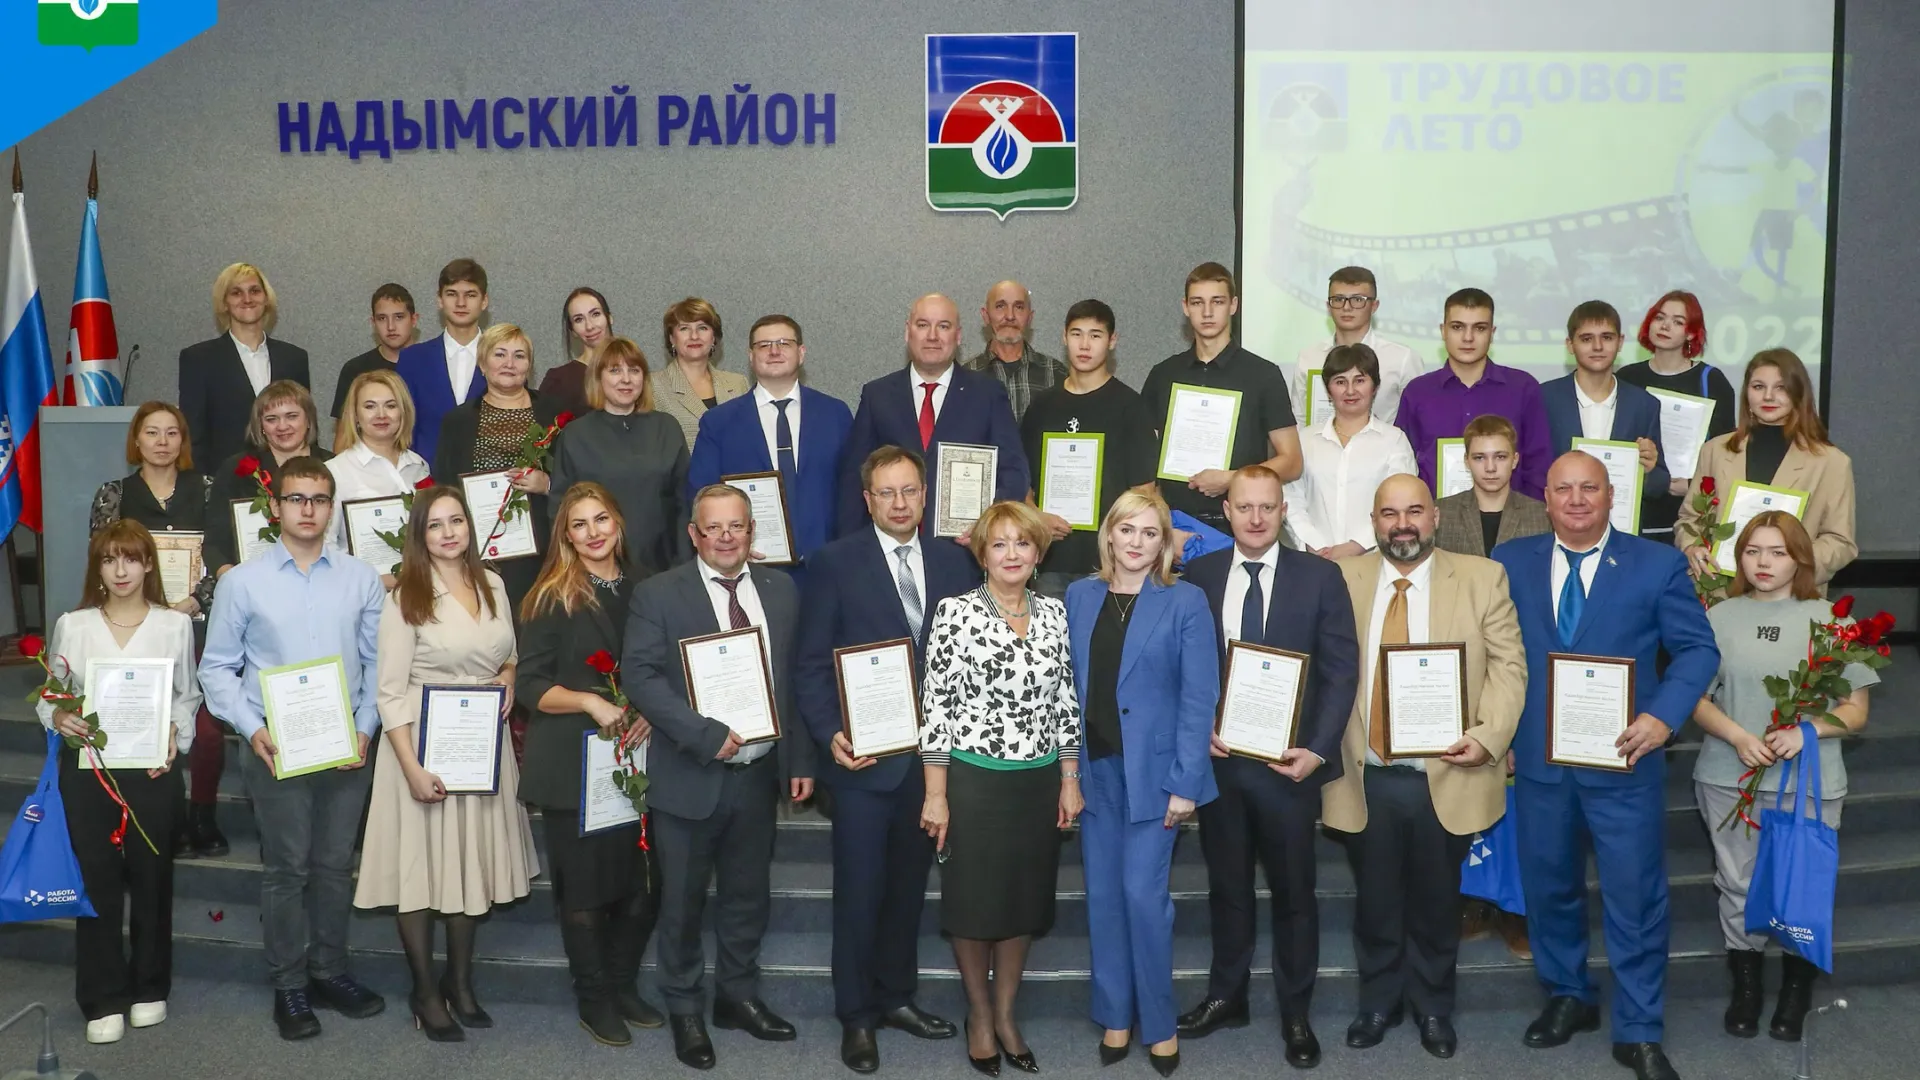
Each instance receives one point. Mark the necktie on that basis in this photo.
(1573, 597)
(783, 443)
(1393, 631)
(926, 414)
(736, 614)
(1253, 610)
(909, 592)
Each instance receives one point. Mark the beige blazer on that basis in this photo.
(1826, 477)
(672, 395)
(1459, 530)
(1470, 604)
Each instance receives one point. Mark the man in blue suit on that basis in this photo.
(780, 427)
(930, 401)
(1265, 594)
(880, 854)
(1586, 589)
(1592, 404)
(444, 371)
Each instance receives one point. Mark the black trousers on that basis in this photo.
(1265, 817)
(881, 858)
(1406, 925)
(732, 848)
(128, 884)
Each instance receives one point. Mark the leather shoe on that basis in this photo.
(1437, 1037)
(345, 996)
(1646, 1060)
(690, 1042)
(1560, 1021)
(293, 1015)
(858, 1050)
(1303, 1050)
(1210, 1016)
(1368, 1029)
(753, 1017)
(918, 1023)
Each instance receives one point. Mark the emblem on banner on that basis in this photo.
(1002, 113)
(89, 23)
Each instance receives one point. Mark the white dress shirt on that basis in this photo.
(1589, 566)
(1419, 604)
(916, 566)
(1235, 596)
(359, 473)
(1596, 417)
(461, 362)
(83, 634)
(1399, 366)
(756, 616)
(259, 366)
(940, 386)
(770, 421)
(1332, 502)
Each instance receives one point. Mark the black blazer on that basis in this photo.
(221, 547)
(453, 455)
(217, 397)
(553, 652)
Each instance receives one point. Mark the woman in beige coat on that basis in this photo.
(426, 852)
(689, 383)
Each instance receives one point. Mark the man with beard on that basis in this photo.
(1010, 356)
(1409, 831)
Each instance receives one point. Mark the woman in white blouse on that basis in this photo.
(375, 460)
(1329, 509)
(124, 616)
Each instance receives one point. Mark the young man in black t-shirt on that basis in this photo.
(395, 323)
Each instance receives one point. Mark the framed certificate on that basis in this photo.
(1622, 460)
(486, 494)
(131, 701)
(603, 805)
(249, 530)
(365, 520)
(1425, 687)
(767, 498)
(1684, 421)
(1450, 470)
(879, 703)
(730, 680)
(309, 717)
(459, 736)
(1070, 477)
(1589, 705)
(1743, 504)
(181, 568)
(963, 486)
(1199, 431)
(1260, 700)
(1319, 401)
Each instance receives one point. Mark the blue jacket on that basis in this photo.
(731, 441)
(423, 367)
(976, 410)
(1636, 415)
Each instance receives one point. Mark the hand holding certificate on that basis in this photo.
(1589, 708)
(130, 701)
(1260, 703)
(767, 500)
(1198, 435)
(730, 680)
(309, 718)
(1426, 697)
(459, 737)
(879, 705)
(486, 494)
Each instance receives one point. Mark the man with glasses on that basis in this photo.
(880, 854)
(298, 602)
(1352, 298)
(1026, 372)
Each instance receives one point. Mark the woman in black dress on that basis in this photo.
(639, 455)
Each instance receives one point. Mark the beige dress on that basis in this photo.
(466, 853)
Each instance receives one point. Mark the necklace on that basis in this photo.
(1003, 612)
(135, 625)
(604, 583)
(1123, 608)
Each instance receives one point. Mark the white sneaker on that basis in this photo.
(107, 1029)
(146, 1014)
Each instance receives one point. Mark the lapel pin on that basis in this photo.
(1610, 561)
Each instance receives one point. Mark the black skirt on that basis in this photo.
(1003, 852)
(592, 871)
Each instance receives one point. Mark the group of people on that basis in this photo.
(1066, 676)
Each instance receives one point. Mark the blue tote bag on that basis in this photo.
(1491, 870)
(39, 877)
(1794, 873)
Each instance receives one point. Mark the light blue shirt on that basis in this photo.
(267, 613)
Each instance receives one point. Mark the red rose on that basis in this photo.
(1870, 631)
(563, 420)
(32, 645)
(1843, 607)
(602, 662)
(1886, 650)
(248, 465)
(1706, 485)
(1884, 619)
(424, 484)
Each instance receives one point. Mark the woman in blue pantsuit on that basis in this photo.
(1147, 670)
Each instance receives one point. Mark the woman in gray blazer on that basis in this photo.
(689, 384)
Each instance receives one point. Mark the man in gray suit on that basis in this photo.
(1490, 513)
(714, 799)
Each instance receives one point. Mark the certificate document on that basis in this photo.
(459, 737)
(309, 717)
(767, 499)
(1199, 431)
(1260, 703)
(602, 805)
(132, 702)
(1684, 419)
(1319, 399)
(1589, 705)
(180, 567)
(247, 524)
(1426, 697)
(1622, 460)
(1742, 504)
(366, 519)
(729, 680)
(486, 494)
(1450, 466)
(879, 705)
(1070, 477)
(963, 486)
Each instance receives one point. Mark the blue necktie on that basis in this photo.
(1253, 610)
(1573, 597)
(783, 441)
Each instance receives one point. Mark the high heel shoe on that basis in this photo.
(989, 1065)
(1110, 1055)
(478, 1018)
(1164, 1064)
(452, 1032)
(1023, 1062)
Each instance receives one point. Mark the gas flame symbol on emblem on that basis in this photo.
(1002, 151)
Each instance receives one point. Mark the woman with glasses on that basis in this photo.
(637, 454)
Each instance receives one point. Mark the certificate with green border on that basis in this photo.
(1198, 434)
(309, 717)
(1744, 503)
(1450, 472)
(1316, 395)
(1070, 466)
(1622, 460)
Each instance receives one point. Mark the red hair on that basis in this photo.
(1695, 342)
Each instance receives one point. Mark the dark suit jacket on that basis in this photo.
(976, 410)
(423, 367)
(851, 600)
(553, 652)
(1459, 530)
(1309, 612)
(1636, 415)
(685, 777)
(731, 441)
(217, 397)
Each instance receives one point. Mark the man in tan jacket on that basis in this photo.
(1410, 831)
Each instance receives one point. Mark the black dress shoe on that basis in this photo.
(1113, 1055)
(918, 1023)
(1024, 1062)
(1210, 1016)
(1646, 1060)
(690, 1042)
(469, 1018)
(1437, 1037)
(858, 1050)
(1560, 1020)
(986, 1066)
(1164, 1064)
(1303, 1049)
(345, 996)
(753, 1017)
(436, 1032)
(1368, 1029)
(293, 1015)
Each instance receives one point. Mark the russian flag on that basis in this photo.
(92, 372)
(26, 382)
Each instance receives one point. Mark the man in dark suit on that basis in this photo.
(932, 400)
(880, 853)
(220, 377)
(1592, 403)
(443, 372)
(714, 798)
(1586, 589)
(1265, 594)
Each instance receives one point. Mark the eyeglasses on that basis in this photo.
(1350, 301)
(715, 532)
(887, 495)
(770, 344)
(318, 502)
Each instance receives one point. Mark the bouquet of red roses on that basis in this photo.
(397, 539)
(262, 492)
(536, 450)
(60, 692)
(626, 775)
(1706, 531)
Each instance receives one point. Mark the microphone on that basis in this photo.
(126, 384)
(47, 1065)
(1803, 1069)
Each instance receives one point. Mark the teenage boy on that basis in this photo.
(1489, 513)
(1440, 404)
(444, 371)
(1352, 298)
(300, 601)
(395, 323)
(1263, 428)
(1592, 404)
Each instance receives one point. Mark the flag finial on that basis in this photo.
(18, 186)
(93, 177)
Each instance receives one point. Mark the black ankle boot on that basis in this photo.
(1796, 997)
(207, 839)
(1743, 1012)
(586, 948)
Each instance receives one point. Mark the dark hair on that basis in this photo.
(1354, 275)
(392, 291)
(414, 593)
(304, 467)
(1090, 309)
(566, 313)
(799, 337)
(1695, 343)
(1212, 271)
(1592, 311)
(124, 537)
(460, 270)
(890, 455)
(1341, 359)
(185, 461)
(1468, 297)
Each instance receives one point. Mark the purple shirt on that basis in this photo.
(1437, 405)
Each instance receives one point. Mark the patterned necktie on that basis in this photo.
(926, 414)
(1253, 609)
(1573, 597)
(1393, 631)
(736, 614)
(783, 443)
(909, 592)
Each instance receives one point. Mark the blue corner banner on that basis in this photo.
(55, 55)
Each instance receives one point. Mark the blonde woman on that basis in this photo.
(220, 377)
(375, 459)
(639, 455)
(689, 384)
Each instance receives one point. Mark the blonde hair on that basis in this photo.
(624, 351)
(1127, 505)
(494, 336)
(225, 281)
(276, 393)
(392, 381)
(1025, 519)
